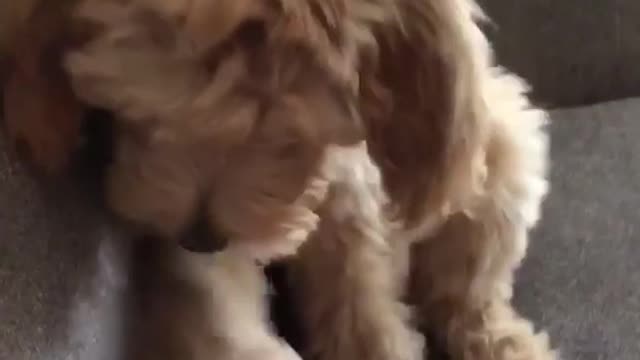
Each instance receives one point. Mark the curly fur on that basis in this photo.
(241, 109)
(463, 158)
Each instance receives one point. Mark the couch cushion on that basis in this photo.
(63, 274)
(581, 277)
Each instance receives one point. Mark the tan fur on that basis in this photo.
(462, 156)
(236, 131)
(252, 112)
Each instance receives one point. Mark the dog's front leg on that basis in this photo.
(347, 275)
(461, 282)
(236, 307)
(463, 276)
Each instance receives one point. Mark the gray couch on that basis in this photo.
(580, 280)
(63, 274)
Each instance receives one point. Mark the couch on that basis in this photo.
(64, 278)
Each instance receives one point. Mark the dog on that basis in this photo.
(373, 142)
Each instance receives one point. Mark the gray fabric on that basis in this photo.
(61, 272)
(573, 51)
(581, 278)
(62, 276)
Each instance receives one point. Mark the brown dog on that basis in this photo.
(379, 127)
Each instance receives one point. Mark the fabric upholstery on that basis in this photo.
(574, 52)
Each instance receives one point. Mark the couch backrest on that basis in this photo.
(573, 52)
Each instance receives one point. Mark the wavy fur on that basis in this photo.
(378, 135)
(462, 155)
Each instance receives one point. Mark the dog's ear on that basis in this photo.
(408, 95)
(41, 114)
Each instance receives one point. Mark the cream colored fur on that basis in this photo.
(235, 293)
(467, 248)
(388, 246)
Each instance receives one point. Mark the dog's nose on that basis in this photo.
(201, 237)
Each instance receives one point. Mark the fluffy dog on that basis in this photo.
(251, 114)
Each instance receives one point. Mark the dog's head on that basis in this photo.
(225, 111)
